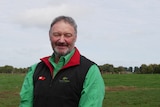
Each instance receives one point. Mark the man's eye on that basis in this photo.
(67, 34)
(56, 34)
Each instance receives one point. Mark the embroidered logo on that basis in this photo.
(64, 80)
(41, 78)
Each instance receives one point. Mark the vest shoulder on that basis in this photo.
(86, 60)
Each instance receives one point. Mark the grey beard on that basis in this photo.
(60, 54)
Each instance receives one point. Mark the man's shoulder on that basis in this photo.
(87, 60)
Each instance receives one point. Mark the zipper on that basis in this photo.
(50, 85)
(53, 77)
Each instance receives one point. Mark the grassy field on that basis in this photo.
(132, 90)
(125, 90)
(10, 85)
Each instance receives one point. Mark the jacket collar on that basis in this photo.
(75, 60)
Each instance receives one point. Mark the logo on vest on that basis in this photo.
(41, 78)
(64, 80)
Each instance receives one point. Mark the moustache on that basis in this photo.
(61, 44)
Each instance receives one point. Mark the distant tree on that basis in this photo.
(11, 69)
(151, 69)
(6, 69)
(130, 69)
(107, 68)
(121, 69)
(156, 68)
(116, 70)
(143, 69)
(136, 70)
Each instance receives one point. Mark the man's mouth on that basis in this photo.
(61, 46)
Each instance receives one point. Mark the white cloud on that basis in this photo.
(42, 17)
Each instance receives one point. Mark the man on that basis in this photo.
(65, 79)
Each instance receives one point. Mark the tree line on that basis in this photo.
(143, 69)
(106, 68)
(11, 69)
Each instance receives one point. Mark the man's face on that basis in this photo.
(62, 37)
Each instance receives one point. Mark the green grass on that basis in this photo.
(125, 90)
(10, 85)
(132, 90)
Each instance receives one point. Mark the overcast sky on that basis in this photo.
(119, 32)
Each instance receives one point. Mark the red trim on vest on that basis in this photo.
(49, 65)
(75, 60)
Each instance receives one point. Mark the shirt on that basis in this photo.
(93, 88)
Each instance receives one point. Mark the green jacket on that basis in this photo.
(93, 88)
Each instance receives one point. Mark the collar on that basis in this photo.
(63, 59)
(74, 60)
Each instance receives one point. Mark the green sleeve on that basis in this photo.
(26, 93)
(93, 91)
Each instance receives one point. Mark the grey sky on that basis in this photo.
(118, 32)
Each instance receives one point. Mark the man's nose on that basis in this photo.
(62, 38)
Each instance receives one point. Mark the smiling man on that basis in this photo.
(63, 37)
(66, 78)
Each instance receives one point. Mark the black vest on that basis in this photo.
(64, 90)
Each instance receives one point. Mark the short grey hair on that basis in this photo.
(66, 19)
